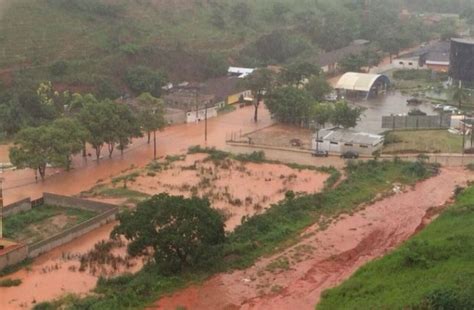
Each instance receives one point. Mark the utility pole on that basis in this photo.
(154, 139)
(205, 123)
(1, 208)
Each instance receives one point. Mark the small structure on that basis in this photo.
(200, 114)
(461, 69)
(330, 60)
(362, 85)
(240, 72)
(434, 56)
(339, 140)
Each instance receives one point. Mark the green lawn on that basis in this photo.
(434, 270)
(260, 235)
(42, 222)
(422, 141)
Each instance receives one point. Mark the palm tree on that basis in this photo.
(460, 95)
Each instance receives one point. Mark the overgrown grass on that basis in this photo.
(422, 141)
(433, 270)
(260, 235)
(19, 224)
(259, 157)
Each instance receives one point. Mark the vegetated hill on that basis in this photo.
(89, 44)
(434, 270)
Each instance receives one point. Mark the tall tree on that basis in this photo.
(460, 95)
(290, 105)
(100, 121)
(299, 73)
(182, 232)
(318, 87)
(260, 83)
(69, 135)
(151, 113)
(345, 115)
(320, 115)
(127, 128)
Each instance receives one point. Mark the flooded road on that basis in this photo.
(326, 258)
(52, 275)
(392, 103)
(176, 139)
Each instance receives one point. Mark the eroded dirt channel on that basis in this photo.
(296, 277)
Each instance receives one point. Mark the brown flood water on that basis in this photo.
(235, 188)
(326, 258)
(51, 275)
(175, 139)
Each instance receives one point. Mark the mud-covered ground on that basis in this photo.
(296, 277)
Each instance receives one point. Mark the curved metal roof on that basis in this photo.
(358, 81)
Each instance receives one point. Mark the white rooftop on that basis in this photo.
(349, 136)
(241, 72)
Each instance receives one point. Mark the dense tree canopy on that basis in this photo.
(182, 232)
(290, 105)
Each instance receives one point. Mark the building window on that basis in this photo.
(334, 143)
(364, 146)
(410, 64)
(348, 144)
(401, 63)
(319, 141)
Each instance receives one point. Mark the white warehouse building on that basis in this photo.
(339, 140)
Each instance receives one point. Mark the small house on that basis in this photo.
(340, 140)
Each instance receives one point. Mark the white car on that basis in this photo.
(450, 109)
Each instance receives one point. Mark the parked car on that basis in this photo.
(350, 155)
(320, 153)
(450, 109)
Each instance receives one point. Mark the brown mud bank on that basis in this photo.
(296, 277)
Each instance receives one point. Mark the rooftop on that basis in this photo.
(349, 136)
(358, 81)
(463, 40)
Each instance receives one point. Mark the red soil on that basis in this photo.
(326, 258)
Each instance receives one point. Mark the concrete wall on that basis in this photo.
(175, 116)
(76, 203)
(75, 232)
(12, 256)
(417, 122)
(193, 117)
(17, 207)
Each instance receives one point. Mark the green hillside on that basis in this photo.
(434, 270)
(85, 44)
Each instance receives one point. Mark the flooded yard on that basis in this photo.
(238, 189)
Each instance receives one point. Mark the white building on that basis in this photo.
(200, 115)
(339, 140)
(240, 72)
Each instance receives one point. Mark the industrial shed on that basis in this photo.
(340, 140)
(362, 85)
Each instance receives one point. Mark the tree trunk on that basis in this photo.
(42, 171)
(255, 117)
(84, 150)
(149, 136)
(111, 147)
(97, 152)
(68, 163)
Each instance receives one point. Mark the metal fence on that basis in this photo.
(416, 122)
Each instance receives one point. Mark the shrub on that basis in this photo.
(145, 80)
(10, 282)
(59, 68)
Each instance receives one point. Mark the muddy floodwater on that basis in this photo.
(393, 102)
(327, 257)
(175, 139)
(236, 189)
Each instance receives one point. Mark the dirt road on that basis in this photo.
(176, 139)
(295, 278)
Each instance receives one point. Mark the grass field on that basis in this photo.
(260, 235)
(422, 141)
(42, 222)
(434, 270)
